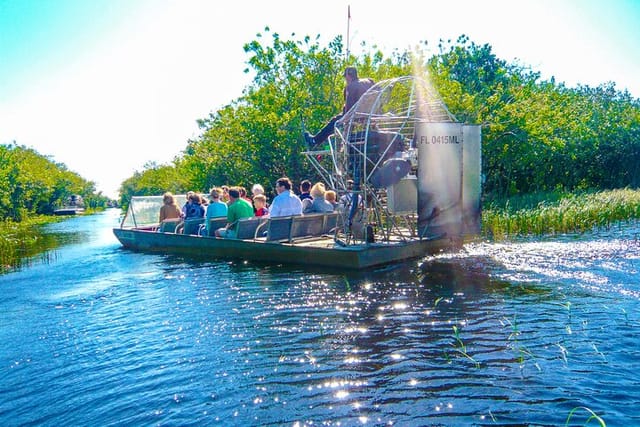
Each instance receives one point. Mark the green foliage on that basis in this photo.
(33, 184)
(155, 180)
(461, 347)
(258, 138)
(538, 136)
(297, 85)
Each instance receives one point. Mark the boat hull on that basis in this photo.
(68, 211)
(319, 252)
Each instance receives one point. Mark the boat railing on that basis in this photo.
(298, 227)
(279, 229)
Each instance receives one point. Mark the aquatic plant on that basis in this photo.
(593, 416)
(19, 240)
(523, 353)
(555, 213)
(461, 348)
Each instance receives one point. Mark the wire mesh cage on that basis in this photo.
(373, 148)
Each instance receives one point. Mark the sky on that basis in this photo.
(107, 86)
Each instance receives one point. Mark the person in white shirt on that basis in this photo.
(286, 203)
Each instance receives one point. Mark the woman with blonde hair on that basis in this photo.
(215, 209)
(318, 204)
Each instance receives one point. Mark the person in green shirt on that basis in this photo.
(238, 208)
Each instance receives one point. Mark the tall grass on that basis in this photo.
(19, 240)
(557, 213)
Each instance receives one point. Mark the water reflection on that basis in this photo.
(44, 242)
(495, 334)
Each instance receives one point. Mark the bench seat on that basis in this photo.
(192, 226)
(287, 229)
(297, 227)
(246, 228)
(215, 223)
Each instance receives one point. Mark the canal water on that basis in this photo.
(526, 333)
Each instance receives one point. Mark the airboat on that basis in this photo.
(411, 172)
(74, 206)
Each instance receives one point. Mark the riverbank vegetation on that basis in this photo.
(33, 184)
(559, 213)
(19, 240)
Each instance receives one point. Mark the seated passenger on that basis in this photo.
(318, 204)
(286, 203)
(243, 194)
(331, 197)
(193, 209)
(260, 203)
(238, 208)
(305, 186)
(169, 209)
(216, 208)
(225, 194)
(257, 189)
(184, 207)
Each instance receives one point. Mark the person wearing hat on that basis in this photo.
(347, 197)
(354, 89)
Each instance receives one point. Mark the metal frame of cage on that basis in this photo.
(391, 108)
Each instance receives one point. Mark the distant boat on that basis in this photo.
(412, 172)
(69, 210)
(73, 206)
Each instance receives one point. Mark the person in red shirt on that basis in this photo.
(260, 205)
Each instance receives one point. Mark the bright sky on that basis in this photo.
(105, 86)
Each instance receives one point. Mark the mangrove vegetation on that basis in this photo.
(32, 186)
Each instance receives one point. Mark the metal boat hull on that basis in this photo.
(324, 252)
(68, 211)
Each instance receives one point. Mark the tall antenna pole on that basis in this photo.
(348, 22)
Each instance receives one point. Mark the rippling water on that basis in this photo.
(498, 334)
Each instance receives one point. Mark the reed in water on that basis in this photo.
(20, 239)
(558, 213)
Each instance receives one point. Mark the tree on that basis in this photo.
(31, 183)
(154, 180)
